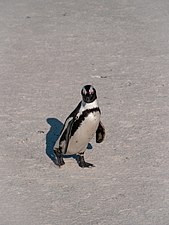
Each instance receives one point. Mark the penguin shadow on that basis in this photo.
(53, 135)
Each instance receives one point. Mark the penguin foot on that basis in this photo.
(59, 159)
(81, 162)
(85, 164)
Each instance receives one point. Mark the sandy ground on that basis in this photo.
(48, 51)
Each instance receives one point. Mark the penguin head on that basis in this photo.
(88, 93)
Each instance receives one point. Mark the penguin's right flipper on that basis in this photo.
(63, 142)
(100, 133)
(67, 129)
(67, 135)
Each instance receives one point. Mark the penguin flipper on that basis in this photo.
(66, 135)
(100, 133)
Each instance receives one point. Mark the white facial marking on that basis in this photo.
(84, 91)
(91, 91)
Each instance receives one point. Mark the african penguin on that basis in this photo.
(79, 128)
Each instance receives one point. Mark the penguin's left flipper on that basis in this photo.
(100, 133)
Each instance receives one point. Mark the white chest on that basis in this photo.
(84, 133)
(91, 122)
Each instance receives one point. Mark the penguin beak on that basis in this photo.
(87, 99)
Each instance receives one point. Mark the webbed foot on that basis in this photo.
(81, 162)
(59, 159)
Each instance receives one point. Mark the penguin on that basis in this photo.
(79, 128)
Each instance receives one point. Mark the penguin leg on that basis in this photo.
(81, 162)
(59, 162)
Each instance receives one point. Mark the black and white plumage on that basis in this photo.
(80, 127)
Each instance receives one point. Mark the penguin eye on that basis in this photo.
(91, 91)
